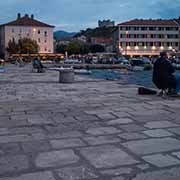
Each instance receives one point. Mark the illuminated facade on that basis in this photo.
(27, 27)
(148, 37)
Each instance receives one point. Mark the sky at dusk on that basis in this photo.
(75, 15)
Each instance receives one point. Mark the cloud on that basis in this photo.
(74, 15)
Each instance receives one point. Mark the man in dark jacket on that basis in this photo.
(163, 74)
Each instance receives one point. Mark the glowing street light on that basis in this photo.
(136, 48)
(128, 47)
(170, 47)
(153, 48)
(145, 47)
(162, 48)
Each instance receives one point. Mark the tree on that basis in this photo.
(62, 48)
(23, 46)
(28, 46)
(97, 48)
(12, 47)
(74, 47)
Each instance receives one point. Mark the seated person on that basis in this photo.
(38, 65)
(163, 75)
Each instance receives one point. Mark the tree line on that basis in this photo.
(76, 47)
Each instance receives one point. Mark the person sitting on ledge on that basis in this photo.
(164, 77)
(38, 65)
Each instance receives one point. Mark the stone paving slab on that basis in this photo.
(15, 163)
(107, 156)
(167, 174)
(160, 160)
(158, 133)
(91, 129)
(32, 176)
(150, 146)
(76, 173)
(56, 158)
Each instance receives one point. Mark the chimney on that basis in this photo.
(18, 15)
(26, 15)
(32, 16)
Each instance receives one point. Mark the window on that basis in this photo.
(27, 34)
(45, 49)
(39, 32)
(131, 43)
(160, 28)
(152, 28)
(45, 33)
(45, 41)
(39, 40)
(144, 28)
(12, 30)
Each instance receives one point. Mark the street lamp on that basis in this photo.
(128, 47)
(153, 47)
(136, 47)
(162, 48)
(170, 47)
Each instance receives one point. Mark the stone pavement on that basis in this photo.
(88, 130)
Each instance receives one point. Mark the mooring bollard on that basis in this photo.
(66, 75)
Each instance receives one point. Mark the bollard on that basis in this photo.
(66, 75)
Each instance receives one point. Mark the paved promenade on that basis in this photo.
(88, 130)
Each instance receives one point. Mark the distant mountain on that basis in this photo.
(63, 35)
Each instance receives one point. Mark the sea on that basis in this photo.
(141, 78)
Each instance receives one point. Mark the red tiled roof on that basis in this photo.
(27, 21)
(164, 22)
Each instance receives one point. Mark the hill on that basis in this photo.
(97, 32)
(58, 35)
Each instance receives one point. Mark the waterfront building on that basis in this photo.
(141, 37)
(27, 27)
(106, 23)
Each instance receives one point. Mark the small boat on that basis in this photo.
(82, 71)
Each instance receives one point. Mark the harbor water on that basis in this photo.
(142, 78)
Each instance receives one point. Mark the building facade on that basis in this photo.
(27, 27)
(106, 23)
(148, 37)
